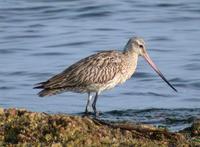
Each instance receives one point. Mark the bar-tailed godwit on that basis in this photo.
(99, 72)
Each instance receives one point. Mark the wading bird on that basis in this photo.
(99, 72)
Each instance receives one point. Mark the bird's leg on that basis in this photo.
(94, 103)
(88, 102)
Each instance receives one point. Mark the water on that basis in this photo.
(41, 38)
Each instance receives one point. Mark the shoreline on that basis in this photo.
(23, 127)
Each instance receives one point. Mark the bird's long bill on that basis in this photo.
(153, 65)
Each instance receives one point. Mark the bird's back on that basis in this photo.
(91, 74)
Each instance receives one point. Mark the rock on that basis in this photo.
(1, 111)
(195, 128)
(24, 128)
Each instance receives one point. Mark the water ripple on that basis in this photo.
(141, 75)
(22, 36)
(192, 66)
(171, 118)
(79, 43)
(7, 88)
(29, 8)
(94, 14)
(167, 5)
(49, 54)
(146, 94)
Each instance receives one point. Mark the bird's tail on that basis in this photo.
(39, 85)
(49, 92)
(46, 91)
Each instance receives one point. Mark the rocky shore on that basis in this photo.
(19, 127)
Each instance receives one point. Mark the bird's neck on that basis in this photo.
(131, 54)
(132, 59)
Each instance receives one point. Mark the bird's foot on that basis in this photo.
(97, 114)
(87, 114)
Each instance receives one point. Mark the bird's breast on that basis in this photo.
(128, 70)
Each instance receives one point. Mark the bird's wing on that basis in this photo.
(95, 69)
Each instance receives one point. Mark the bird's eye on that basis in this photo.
(141, 46)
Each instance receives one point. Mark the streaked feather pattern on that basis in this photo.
(88, 74)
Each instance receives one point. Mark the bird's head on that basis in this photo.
(137, 45)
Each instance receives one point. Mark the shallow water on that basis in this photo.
(41, 38)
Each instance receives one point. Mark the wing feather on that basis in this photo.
(95, 69)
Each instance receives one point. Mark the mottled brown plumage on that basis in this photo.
(98, 72)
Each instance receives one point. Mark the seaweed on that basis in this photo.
(24, 128)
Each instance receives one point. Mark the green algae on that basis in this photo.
(20, 127)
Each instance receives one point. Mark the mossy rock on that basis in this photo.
(21, 127)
